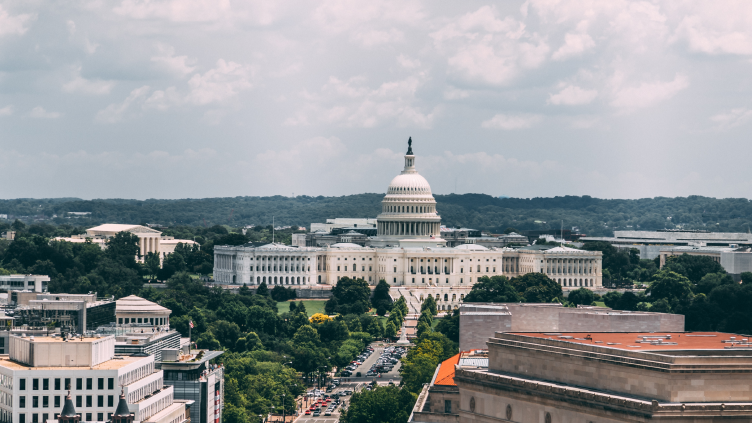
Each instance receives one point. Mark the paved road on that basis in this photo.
(363, 368)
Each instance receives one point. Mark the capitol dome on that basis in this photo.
(408, 210)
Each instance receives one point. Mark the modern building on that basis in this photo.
(650, 243)
(35, 283)
(480, 321)
(343, 223)
(137, 312)
(407, 251)
(194, 378)
(37, 373)
(150, 240)
(734, 259)
(72, 313)
(562, 377)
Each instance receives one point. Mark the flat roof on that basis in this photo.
(649, 341)
(114, 364)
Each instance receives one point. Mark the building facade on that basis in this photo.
(407, 251)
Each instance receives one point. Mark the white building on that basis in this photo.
(35, 283)
(407, 252)
(36, 373)
(150, 240)
(136, 311)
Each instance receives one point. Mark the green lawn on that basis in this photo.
(600, 303)
(312, 306)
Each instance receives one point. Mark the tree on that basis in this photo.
(381, 299)
(495, 289)
(537, 288)
(611, 299)
(123, 247)
(582, 296)
(152, 264)
(429, 304)
(660, 306)
(319, 318)
(389, 330)
(281, 294)
(711, 281)
(349, 296)
(387, 404)
(669, 285)
(746, 278)
(262, 289)
(422, 328)
(450, 325)
(693, 267)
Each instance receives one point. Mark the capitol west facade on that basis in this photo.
(407, 252)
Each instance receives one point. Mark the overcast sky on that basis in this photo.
(213, 98)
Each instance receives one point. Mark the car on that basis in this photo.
(369, 374)
(308, 412)
(316, 413)
(345, 373)
(357, 374)
(391, 381)
(328, 413)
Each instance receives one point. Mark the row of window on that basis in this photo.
(35, 417)
(45, 401)
(283, 280)
(151, 320)
(274, 258)
(57, 381)
(274, 268)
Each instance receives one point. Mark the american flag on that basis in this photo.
(190, 323)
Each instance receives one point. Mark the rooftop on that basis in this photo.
(648, 341)
(473, 358)
(114, 364)
(134, 304)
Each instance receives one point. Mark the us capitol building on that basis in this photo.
(407, 252)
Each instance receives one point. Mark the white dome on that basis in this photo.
(409, 183)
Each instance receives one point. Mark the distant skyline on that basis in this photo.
(222, 98)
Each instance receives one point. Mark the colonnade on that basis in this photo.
(281, 270)
(409, 228)
(148, 244)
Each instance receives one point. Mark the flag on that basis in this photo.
(190, 323)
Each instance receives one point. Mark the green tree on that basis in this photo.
(496, 289)
(262, 289)
(152, 264)
(582, 296)
(660, 306)
(537, 288)
(746, 278)
(381, 299)
(693, 267)
(450, 325)
(382, 405)
(350, 296)
(429, 304)
(711, 281)
(669, 285)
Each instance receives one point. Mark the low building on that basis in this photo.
(36, 374)
(562, 377)
(480, 321)
(650, 243)
(734, 259)
(569, 267)
(439, 401)
(343, 222)
(35, 283)
(72, 313)
(137, 312)
(150, 240)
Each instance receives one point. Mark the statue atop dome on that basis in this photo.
(410, 146)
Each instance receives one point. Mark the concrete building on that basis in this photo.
(343, 223)
(650, 243)
(150, 240)
(480, 321)
(35, 374)
(734, 259)
(71, 313)
(406, 251)
(137, 312)
(35, 283)
(561, 377)
(194, 378)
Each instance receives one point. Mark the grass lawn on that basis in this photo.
(599, 303)
(312, 306)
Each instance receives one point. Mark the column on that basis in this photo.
(141, 246)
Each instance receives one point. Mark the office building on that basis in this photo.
(34, 283)
(650, 243)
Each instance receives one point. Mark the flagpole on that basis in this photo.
(190, 326)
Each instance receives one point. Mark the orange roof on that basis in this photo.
(644, 341)
(446, 371)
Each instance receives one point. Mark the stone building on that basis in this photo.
(560, 377)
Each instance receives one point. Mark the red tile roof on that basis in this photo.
(446, 371)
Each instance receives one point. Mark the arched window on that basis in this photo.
(319, 278)
(275, 280)
(446, 297)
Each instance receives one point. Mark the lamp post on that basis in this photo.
(272, 413)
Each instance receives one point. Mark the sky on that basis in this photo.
(222, 98)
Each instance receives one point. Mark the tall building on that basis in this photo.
(561, 377)
(38, 372)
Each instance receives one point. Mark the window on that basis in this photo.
(79, 401)
(79, 384)
(100, 401)
(89, 383)
(22, 384)
(35, 384)
(338, 268)
(110, 400)
(45, 384)
(100, 417)
(89, 401)
(35, 418)
(22, 402)
(57, 384)
(57, 401)
(35, 402)
(88, 417)
(45, 401)
(100, 383)
(22, 418)
(111, 383)
(448, 406)
(67, 383)
(45, 416)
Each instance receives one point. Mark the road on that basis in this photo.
(355, 384)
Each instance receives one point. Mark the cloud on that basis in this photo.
(509, 122)
(647, 93)
(574, 45)
(732, 118)
(717, 28)
(223, 82)
(14, 25)
(483, 49)
(352, 103)
(88, 86)
(6, 111)
(117, 112)
(178, 65)
(40, 113)
(572, 95)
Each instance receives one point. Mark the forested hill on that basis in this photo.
(592, 216)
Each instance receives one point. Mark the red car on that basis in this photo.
(308, 412)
